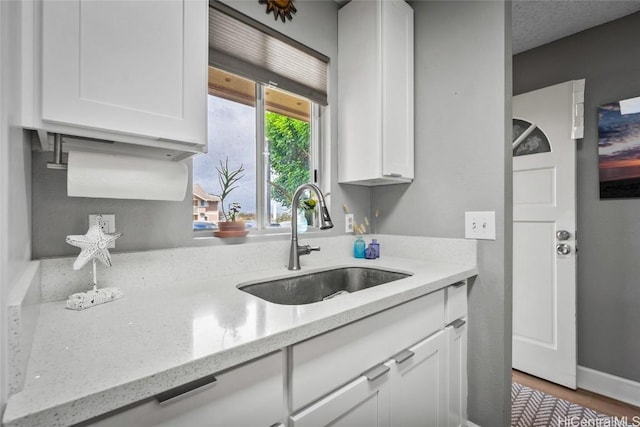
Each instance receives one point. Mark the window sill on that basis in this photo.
(259, 235)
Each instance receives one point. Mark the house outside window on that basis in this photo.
(205, 206)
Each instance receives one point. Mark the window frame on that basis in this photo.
(262, 197)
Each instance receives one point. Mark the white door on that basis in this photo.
(544, 234)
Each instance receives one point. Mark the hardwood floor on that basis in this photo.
(584, 398)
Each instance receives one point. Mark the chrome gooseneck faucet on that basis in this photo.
(325, 224)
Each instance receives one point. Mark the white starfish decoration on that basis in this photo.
(94, 245)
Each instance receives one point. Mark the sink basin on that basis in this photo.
(320, 286)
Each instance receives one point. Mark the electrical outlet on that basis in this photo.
(107, 223)
(348, 223)
(480, 225)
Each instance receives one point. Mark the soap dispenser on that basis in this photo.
(359, 247)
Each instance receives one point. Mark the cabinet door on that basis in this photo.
(397, 89)
(419, 383)
(132, 67)
(359, 92)
(250, 395)
(361, 403)
(326, 362)
(375, 96)
(457, 353)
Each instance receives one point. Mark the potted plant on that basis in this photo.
(308, 207)
(228, 179)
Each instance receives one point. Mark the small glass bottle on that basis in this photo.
(376, 247)
(369, 253)
(359, 247)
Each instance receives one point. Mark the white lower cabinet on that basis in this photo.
(457, 381)
(419, 384)
(363, 402)
(326, 362)
(249, 395)
(456, 331)
(410, 390)
(417, 357)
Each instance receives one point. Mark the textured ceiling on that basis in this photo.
(537, 22)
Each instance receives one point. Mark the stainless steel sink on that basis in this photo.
(319, 286)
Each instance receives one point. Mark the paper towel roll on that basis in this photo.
(117, 176)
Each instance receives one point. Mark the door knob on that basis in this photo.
(563, 235)
(563, 249)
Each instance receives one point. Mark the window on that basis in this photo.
(265, 96)
(240, 110)
(528, 139)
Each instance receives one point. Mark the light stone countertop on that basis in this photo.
(88, 363)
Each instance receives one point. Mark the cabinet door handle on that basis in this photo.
(393, 175)
(403, 356)
(376, 372)
(177, 393)
(459, 284)
(458, 323)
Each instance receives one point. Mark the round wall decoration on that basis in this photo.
(281, 8)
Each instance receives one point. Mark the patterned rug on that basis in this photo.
(533, 408)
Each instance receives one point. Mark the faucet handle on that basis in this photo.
(307, 249)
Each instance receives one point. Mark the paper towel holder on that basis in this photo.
(57, 163)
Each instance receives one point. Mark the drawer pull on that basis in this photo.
(403, 356)
(393, 175)
(376, 372)
(459, 284)
(177, 393)
(458, 323)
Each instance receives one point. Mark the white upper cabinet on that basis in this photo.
(127, 71)
(375, 92)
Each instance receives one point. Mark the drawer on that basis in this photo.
(249, 395)
(324, 363)
(359, 403)
(456, 302)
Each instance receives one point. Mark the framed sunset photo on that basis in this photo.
(619, 149)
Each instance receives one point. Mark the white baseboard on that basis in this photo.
(609, 385)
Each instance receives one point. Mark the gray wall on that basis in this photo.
(151, 224)
(463, 163)
(608, 56)
(15, 192)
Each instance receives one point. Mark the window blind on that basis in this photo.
(241, 45)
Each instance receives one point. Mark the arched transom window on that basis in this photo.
(528, 139)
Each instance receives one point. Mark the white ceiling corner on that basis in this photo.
(538, 22)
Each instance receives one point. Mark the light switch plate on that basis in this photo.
(108, 224)
(480, 225)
